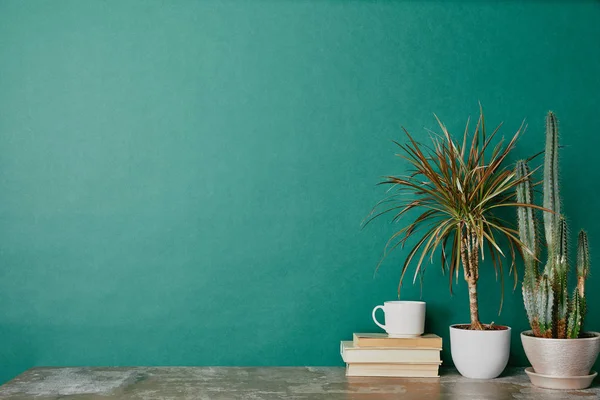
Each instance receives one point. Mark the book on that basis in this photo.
(352, 354)
(383, 340)
(425, 370)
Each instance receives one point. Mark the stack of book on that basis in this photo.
(376, 354)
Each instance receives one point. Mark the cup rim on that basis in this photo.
(403, 302)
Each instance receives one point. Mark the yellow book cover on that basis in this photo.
(383, 340)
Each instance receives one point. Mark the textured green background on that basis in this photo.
(182, 183)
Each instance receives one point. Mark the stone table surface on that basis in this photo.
(296, 383)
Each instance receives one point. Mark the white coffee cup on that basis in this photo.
(402, 318)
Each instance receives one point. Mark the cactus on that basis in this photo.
(544, 311)
(527, 233)
(550, 310)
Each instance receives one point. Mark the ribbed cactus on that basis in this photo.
(544, 299)
(527, 233)
(550, 311)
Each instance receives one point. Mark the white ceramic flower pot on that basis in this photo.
(479, 354)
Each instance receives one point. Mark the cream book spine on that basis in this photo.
(394, 370)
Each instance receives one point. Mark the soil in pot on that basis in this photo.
(487, 327)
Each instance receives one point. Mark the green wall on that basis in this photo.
(182, 182)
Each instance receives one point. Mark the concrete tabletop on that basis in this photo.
(297, 383)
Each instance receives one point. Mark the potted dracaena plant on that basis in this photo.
(458, 187)
(561, 353)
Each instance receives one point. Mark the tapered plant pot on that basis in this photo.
(480, 354)
(562, 358)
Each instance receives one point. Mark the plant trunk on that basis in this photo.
(470, 261)
(474, 305)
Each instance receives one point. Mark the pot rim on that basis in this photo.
(508, 328)
(529, 334)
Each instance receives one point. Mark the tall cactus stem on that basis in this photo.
(551, 194)
(561, 264)
(545, 301)
(583, 269)
(576, 316)
(583, 262)
(528, 234)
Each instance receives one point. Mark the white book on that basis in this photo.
(351, 354)
(394, 370)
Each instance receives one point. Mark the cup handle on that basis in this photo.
(375, 317)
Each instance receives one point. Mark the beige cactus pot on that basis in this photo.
(561, 357)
